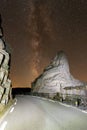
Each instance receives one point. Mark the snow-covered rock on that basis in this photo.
(5, 82)
(56, 77)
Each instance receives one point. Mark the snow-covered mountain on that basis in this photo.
(56, 76)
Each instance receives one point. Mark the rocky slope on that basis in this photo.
(56, 76)
(5, 82)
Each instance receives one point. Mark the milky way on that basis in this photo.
(39, 21)
(35, 30)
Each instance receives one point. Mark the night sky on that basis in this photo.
(35, 30)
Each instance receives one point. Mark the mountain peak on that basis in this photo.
(56, 76)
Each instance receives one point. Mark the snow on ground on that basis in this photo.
(33, 113)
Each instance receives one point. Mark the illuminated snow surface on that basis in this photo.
(34, 113)
(57, 76)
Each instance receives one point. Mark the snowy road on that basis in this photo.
(33, 113)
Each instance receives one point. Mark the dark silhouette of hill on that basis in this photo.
(21, 91)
